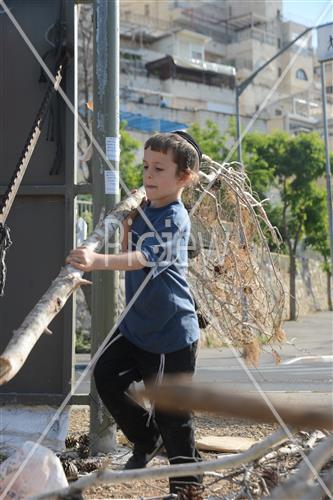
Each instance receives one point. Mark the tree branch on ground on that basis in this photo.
(107, 476)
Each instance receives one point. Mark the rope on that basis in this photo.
(5, 243)
(158, 381)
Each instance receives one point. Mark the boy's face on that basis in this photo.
(159, 178)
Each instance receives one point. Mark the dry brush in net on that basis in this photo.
(233, 275)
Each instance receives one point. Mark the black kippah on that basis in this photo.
(189, 139)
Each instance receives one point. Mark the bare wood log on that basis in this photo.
(175, 397)
(105, 475)
(302, 480)
(54, 299)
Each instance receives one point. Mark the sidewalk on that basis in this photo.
(303, 377)
(308, 336)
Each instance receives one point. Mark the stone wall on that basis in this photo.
(311, 285)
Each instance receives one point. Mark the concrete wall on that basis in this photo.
(290, 84)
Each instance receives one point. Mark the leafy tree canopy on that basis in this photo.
(210, 140)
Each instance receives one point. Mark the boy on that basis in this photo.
(160, 332)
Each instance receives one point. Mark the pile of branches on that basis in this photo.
(290, 464)
(277, 468)
(233, 275)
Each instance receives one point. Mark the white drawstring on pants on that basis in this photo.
(158, 381)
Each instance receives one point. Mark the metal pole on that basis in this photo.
(105, 194)
(238, 128)
(328, 166)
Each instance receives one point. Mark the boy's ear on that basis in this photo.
(186, 177)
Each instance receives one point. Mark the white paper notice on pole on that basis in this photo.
(111, 178)
(112, 148)
(325, 43)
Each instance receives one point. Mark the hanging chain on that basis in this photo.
(9, 196)
(5, 243)
(15, 182)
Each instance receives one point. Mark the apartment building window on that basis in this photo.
(279, 43)
(196, 55)
(196, 52)
(301, 75)
(147, 10)
(279, 72)
(329, 89)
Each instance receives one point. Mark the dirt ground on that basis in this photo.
(204, 426)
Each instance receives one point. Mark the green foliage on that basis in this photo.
(279, 166)
(258, 166)
(86, 214)
(82, 343)
(290, 165)
(130, 170)
(210, 140)
(88, 217)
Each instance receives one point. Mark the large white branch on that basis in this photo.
(54, 299)
(104, 475)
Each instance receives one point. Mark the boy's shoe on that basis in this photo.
(140, 458)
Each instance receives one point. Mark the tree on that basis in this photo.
(294, 164)
(210, 140)
(258, 167)
(318, 236)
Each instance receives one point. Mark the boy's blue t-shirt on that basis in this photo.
(163, 318)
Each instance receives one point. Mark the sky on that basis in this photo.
(307, 12)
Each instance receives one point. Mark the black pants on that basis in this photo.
(123, 363)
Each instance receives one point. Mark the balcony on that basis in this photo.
(258, 34)
(147, 28)
(192, 71)
(134, 67)
(207, 19)
(240, 64)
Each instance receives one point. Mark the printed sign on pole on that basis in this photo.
(325, 43)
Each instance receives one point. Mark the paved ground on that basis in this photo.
(306, 371)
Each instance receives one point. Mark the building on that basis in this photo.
(181, 60)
